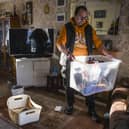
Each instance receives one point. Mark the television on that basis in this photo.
(36, 42)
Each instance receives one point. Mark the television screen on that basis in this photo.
(31, 42)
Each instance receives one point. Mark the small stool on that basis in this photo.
(53, 82)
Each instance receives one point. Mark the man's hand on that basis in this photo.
(107, 54)
(104, 52)
(70, 56)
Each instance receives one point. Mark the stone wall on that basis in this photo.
(122, 40)
(40, 19)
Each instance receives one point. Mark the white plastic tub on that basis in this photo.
(22, 110)
(17, 90)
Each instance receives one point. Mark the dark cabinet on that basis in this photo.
(4, 38)
(7, 62)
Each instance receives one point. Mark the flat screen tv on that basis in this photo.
(31, 42)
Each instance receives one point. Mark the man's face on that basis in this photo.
(81, 17)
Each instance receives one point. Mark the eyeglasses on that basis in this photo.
(83, 18)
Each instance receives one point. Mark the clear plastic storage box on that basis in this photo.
(93, 74)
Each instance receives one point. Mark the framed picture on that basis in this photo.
(29, 12)
(99, 13)
(99, 24)
(61, 3)
(60, 17)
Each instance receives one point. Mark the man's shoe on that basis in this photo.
(68, 110)
(94, 117)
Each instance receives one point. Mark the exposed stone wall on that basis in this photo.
(40, 19)
(122, 41)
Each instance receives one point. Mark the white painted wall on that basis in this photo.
(112, 8)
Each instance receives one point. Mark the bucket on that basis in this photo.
(17, 90)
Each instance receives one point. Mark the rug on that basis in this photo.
(82, 122)
(6, 124)
(49, 119)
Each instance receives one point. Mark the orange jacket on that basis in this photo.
(80, 47)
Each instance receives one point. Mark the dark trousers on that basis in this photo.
(89, 100)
